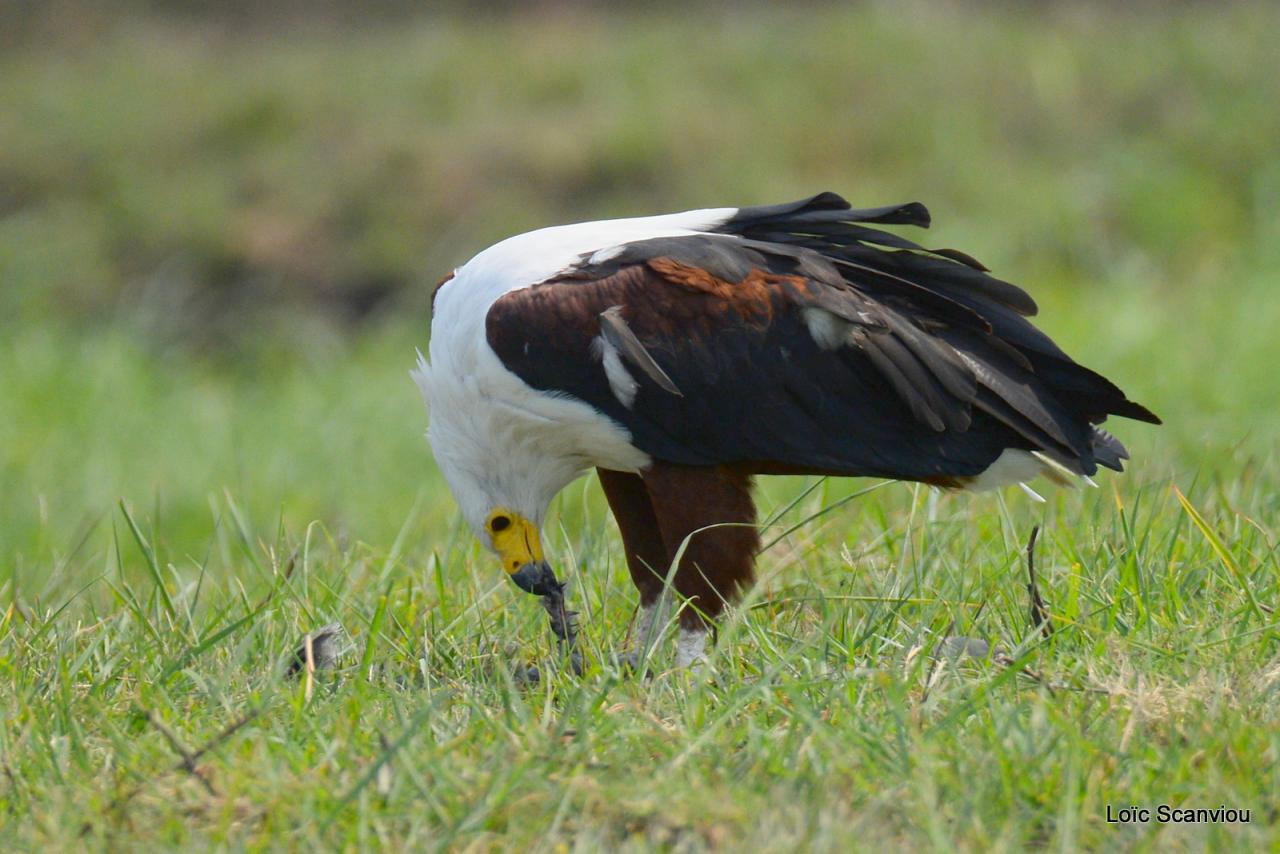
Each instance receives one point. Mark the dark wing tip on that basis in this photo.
(912, 213)
(963, 258)
(824, 201)
(761, 214)
(1138, 412)
(824, 207)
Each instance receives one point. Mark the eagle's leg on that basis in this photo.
(647, 556)
(718, 562)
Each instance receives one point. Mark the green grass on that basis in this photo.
(179, 508)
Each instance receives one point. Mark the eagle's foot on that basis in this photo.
(645, 634)
(691, 648)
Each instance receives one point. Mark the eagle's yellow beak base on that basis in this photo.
(514, 538)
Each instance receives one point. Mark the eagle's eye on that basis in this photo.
(499, 523)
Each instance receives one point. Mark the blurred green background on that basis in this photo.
(220, 224)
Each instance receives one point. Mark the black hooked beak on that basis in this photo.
(537, 578)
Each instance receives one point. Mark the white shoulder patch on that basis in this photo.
(828, 331)
(621, 383)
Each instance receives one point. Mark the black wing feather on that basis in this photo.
(939, 373)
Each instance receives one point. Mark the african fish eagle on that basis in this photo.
(681, 355)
